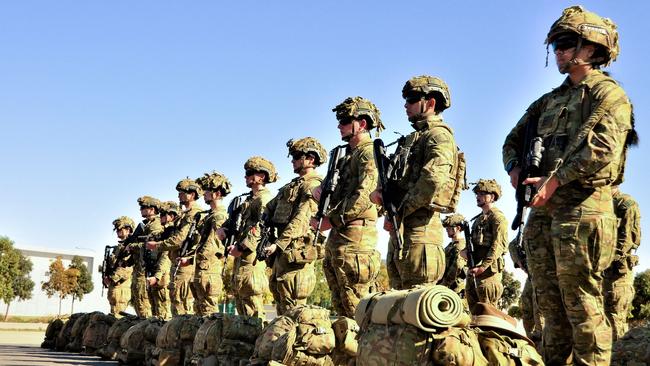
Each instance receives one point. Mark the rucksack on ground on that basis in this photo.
(96, 332)
(111, 348)
(64, 336)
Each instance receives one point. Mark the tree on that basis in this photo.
(511, 291)
(14, 274)
(641, 301)
(84, 283)
(321, 295)
(62, 282)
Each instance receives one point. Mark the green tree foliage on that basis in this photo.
(84, 283)
(511, 291)
(515, 312)
(641, 302)
(321, 295)
(15, 268)
(62, 282)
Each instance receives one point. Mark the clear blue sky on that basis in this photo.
(102, 102)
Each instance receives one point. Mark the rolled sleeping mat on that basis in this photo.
(426, 307)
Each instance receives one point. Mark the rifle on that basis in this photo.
(470, 250)
(267, 238)
(329, 185)
(188, 242)
(233, 225)
(107, 268)
(385, 168)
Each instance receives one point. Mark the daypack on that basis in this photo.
(267, 340)
(314, 334)
(207, 340)
(150, 335)
(345, 331)
(96, 332)
(394, 345)
(132, 343)
(502, 350)
(458, 346)
(632, 348)
(176, 338)
(77, 333)
(64, 336)
(111, 349)
(51, 332)
(238, 340)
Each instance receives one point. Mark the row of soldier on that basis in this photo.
(567, 154)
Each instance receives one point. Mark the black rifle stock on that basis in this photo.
(384, 164)
(470, 250)
(234, 223)
(267, 238)
(107, 268)
(329, 186)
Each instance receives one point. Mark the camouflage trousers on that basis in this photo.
(422, 259)
(139, 297)
(119, 297)
(530, 316)
(351, 266)
(207, 288)
(618, 287)
(250, 284)
(568, 248)
(291, 286)
(181, 291)
(488, 288)
(160, 300)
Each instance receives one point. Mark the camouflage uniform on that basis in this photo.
(180, 287)
(570, 240)
(456, 265)
(530, 315)
(293, 278)
(426, 177)
(352, 263)
(489, 239)
(119, 288)
(208, 258)
(249, 278)
(159, 293)
(618, 279)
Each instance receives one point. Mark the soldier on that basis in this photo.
(618, 279)
(209, 255)
(569, 235)
(455, 271)
(160, 278)
(489, 238)
(249, 278)
(530, 315)
(149, 207)
(293, 278)
(180, 288)
(351, 263)
(425, 185)
(119, 283)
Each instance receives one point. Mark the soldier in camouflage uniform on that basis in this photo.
(570, 233)
(618, 279)
(530, 315)
(249, 278)
(119, 284)
(351, 263)
(159, 281)
(422, 185)
(209, 254)
(456, 265)
(140, 300)
(293, 278)
(180, 289)
(489, 239)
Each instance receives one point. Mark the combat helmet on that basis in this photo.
(489, 186)
(308, 145)
(189, 185)
(148, 201)
(170, 207)
(453, 220)
(355, 107)
(589, 26)
(258, 163)
(215, 182)
(427, 85)
(123, 222)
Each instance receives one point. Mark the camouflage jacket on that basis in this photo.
(490, 239)
(292, 208)
(455, 266)
(210, 249)
(152, 227)
(629, 224)
(432, 153)
(174, 242)
(163, 263)
(123, 269)
(351, 200)
(248, 237)
(560, 116)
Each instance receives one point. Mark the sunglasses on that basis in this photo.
(564, 43)
(297, 156)
(345, 122)
(250, 172)
(413, 99)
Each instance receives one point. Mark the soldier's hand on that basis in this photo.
(107, 281)
(545, 189)
(514, 176)
(184, 262)
(152, 281)
(151, 245)
(234, 251)
(477, 271)
(388, 226)
(376, 198)
(316, 193)
(270, 249)
(221, 234)
(325, 224)
(463, 254)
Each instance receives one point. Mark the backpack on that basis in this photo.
(394, 345)
(458, 346)
(110, 349)
(132, 343)
(314, 334)
(51, 332)
(207, 340)
(500, 349)
(447, 199)
(96, 332)
(77, 333)
(238, 340)
(345, 331)
(64, 336)
(150, 334)
(176, 338)
(265, 343)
